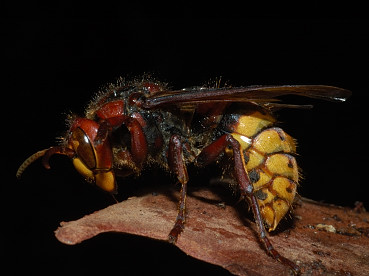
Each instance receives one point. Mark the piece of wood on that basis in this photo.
(321, 239)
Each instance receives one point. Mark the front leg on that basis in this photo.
(178, 167)
(139, 147)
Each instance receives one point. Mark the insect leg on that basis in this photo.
(178, 166)
(266, 241)
(213, 151)
(138, 141)
(138, 138)
(247, 192)
(210, 154)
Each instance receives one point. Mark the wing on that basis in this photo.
(259, 94)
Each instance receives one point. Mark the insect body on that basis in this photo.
(268, 159)
(135, 124)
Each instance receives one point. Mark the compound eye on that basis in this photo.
(83, 148)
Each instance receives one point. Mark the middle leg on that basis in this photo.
(178, 167)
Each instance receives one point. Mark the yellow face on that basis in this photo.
(270, 164)
(88, 162)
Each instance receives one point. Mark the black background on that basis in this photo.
(56, 57)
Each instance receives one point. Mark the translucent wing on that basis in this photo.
(260, 94)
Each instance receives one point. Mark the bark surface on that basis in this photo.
(322, 239)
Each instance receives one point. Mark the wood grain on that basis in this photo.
(321, 239)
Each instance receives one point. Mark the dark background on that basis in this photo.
(56, 57)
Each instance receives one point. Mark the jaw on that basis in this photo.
(106, 181)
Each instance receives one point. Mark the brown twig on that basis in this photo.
(322, 239)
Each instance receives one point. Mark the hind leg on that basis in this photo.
(210, 154)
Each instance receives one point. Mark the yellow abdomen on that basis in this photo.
(269, 161)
